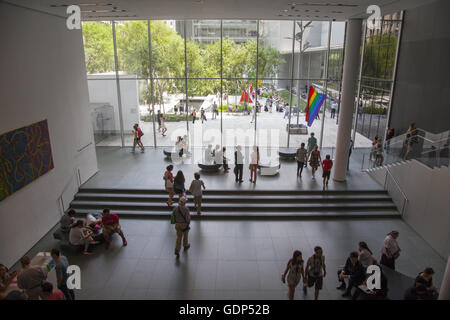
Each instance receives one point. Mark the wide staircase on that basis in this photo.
(233, 203)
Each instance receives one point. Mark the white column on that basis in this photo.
(349, 78)
(444, 292)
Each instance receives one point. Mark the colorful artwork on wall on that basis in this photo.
(25, 155)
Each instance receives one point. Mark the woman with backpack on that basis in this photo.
(295, 273)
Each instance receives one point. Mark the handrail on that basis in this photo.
(436, 150)
(398, 187)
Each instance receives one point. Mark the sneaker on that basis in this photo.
(187, 247)
(177, 254)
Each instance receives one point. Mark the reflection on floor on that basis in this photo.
(237, 259)
(233, 259)
(119, 168)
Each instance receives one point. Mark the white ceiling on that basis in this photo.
(219, 9)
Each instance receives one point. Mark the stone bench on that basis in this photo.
(287, 153)
(269, 169)
(213, 167)
(297, 129)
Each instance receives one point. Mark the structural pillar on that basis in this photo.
(349, 78)
(444, 292)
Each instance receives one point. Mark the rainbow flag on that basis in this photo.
(315, 101)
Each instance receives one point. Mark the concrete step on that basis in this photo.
(208, 198)
(236, 192)
(146, 206)
(375, 213)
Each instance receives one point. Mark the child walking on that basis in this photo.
(197, 192)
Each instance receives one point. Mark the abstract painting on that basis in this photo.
(25, 155)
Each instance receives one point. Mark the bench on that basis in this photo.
(269, 169)
(297, 129)
(287, 153)
(213, 167)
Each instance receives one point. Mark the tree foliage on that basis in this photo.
(168, 60)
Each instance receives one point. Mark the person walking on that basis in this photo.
(61, 265)
(202, 115)
(194, 115)
(372, 150)
(334, 106)
(168, 182)
(196, 190)
(379, 153)
(295, 273)
(327, 164)
(312, 142)
(163, 125)
(137, 134)
(238, 164)
(411, 139)
(215, 112)
(390, 250)
(316, 271)
(253, 114)
(286, 111)
(226, 168)
(350, 148)
(254, 162)
(178, 184)
(389, 135)
(182, 218)
(301, 157)
(158, 118)
(315, 160)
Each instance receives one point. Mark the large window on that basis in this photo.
(256, 74)
(380, 47)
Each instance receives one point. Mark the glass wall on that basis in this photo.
(250, 79)
(380, 48)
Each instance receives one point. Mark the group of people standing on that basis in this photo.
(355, 273)
(311, 154)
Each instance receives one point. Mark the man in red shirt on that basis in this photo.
(326, 169)
(111, 224)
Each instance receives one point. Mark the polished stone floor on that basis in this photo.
(241, 259)
(119, 168)
(232, 259)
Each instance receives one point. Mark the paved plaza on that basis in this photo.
(238, 129)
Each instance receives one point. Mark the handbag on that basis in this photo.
(172, 219)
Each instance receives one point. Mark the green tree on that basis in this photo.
(98, 47)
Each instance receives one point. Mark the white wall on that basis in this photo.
(43, 77)
(104, 89)
(428, 208)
